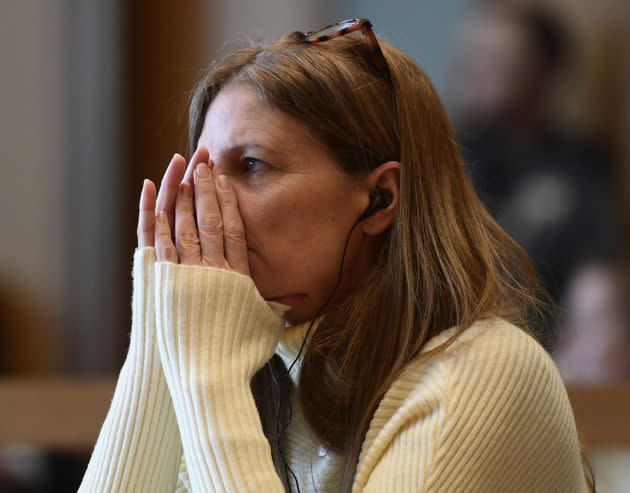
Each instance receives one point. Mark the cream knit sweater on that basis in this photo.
(490, 414)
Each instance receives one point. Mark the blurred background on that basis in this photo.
(93, 100)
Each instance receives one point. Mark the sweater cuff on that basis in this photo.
(215, 316)
(214, 332)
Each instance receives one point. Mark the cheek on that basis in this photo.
(294, 238)
(283, 224)
(274, 216)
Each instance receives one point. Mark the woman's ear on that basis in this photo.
(385, 179)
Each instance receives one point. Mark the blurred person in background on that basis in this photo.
(594, 340)
(549, 188)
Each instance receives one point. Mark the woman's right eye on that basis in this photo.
(251, 165)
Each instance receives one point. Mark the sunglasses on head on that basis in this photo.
(349, 26)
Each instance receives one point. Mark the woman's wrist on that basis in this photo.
(143, 299)
(215, 316)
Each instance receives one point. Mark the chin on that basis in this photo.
(295, 316)
(291, 319)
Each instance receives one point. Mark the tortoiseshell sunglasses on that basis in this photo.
(349, 26)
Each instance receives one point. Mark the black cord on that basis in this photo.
(280, 432)
(279, 444)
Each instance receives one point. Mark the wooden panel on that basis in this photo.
(164, 46)
(54, 413)
(602, 414)
(164, 53)
(68, 413)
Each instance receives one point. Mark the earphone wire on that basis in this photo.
(280, 432)
(279, 444)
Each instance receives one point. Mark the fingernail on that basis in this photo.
(223, 183)
(202, 170)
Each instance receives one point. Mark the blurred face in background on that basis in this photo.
(596, 338)
(493, 74)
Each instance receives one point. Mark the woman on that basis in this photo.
(322, 303)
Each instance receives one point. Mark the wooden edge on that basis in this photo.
(54, 413)
(67, 413)
(602, 414)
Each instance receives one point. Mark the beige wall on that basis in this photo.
(234, 21)
(33, 133)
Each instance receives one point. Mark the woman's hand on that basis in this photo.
(216, 238)
(167, 196)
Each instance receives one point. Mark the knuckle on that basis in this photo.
(183, 202)
(187, 237)
(169, 252)
(210, 223)
(235, 234)
(227, 199)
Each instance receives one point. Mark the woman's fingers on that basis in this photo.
(209, 221)
(186, 236)
(164, 248)
(201, 155)
(215, 238)
(146, 216)
(168, 188)
(233, 230)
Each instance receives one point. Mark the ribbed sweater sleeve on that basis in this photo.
(138, 448)
(214, 332)
(493, 416)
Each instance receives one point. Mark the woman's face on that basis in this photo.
(296, 203)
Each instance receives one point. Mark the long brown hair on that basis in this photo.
(444, 262)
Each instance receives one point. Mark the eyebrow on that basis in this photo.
(243, 146)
